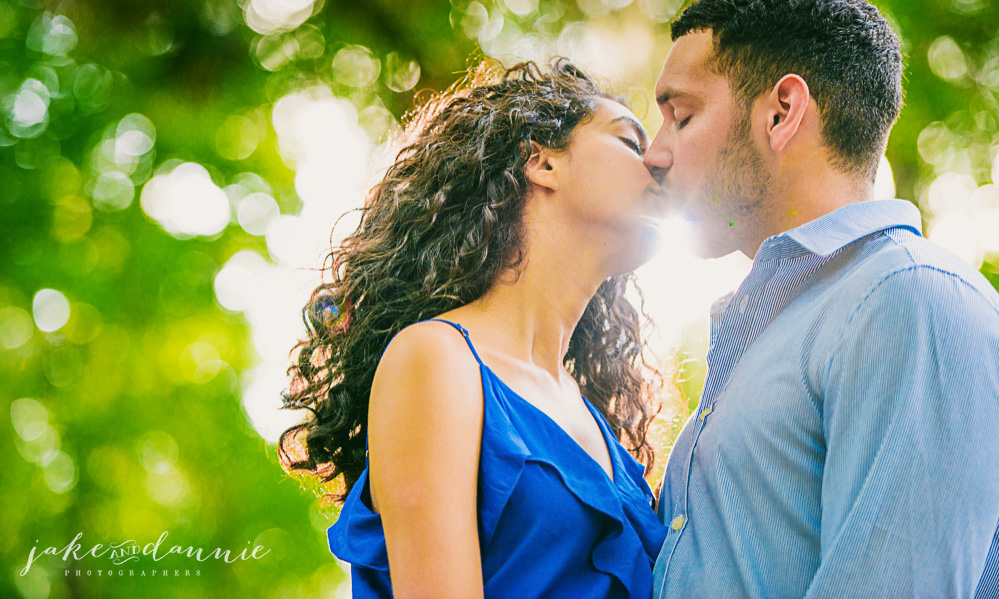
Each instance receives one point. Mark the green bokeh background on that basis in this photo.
(125, 433)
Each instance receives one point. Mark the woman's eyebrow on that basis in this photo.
(639, 129)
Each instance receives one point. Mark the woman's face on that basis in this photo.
(605, 194)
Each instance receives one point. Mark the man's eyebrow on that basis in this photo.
(670, 93)
(639, 129)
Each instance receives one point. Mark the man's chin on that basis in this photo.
(706, 246)
(673, 206)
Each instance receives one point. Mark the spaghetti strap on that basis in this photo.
(609, 536)
(464, 333)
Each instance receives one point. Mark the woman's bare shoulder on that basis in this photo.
(429, 362)
(425, 419)
(429, 344)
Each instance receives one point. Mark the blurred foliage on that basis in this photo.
(123, 360)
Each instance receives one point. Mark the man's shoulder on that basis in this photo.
(895, 279)
(909, 268)
(895, 288)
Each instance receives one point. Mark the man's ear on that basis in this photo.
(540, 169)
(786, 108)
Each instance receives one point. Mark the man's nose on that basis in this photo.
(659, 158)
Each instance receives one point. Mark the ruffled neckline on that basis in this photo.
(620, 464)
(619, 499)
(357, 536)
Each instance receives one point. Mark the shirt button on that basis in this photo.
(743, 304)
(677, 523)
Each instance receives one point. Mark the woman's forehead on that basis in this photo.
(609, 112)
(607, 109)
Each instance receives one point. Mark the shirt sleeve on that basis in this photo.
(910, 402)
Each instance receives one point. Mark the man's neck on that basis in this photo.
(803, 200)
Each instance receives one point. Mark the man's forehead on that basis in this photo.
(687, 67)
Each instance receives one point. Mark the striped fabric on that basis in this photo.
(988, 586)
(847, 440)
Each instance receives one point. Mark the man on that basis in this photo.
(847, 440)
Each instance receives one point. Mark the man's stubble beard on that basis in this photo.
(736, 192)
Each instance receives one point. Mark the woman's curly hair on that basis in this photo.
(436, 233)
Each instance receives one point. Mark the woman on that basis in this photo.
(479, 301)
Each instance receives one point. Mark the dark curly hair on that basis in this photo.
(436, 233)
(843, 49)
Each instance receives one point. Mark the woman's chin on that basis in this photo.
(639, 247)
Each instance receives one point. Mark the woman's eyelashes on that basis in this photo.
(634, 145)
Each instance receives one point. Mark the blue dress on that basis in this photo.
(552, 524)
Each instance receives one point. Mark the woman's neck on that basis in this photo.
(537, 313)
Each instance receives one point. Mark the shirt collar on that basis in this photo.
(843, 226)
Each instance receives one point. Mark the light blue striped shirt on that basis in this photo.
(847, 440)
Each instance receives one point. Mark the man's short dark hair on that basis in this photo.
(843, 49)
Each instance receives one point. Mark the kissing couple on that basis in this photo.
(473, 366)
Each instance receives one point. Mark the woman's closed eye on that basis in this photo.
(634, 145)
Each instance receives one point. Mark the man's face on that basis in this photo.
(704, 155)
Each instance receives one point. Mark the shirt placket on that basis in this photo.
(818, 242)
(728, 330)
